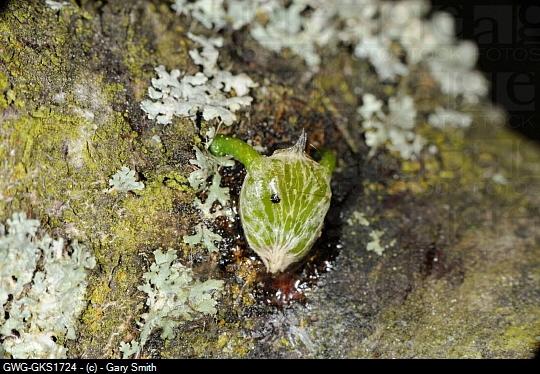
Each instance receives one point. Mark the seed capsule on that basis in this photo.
(283, 200)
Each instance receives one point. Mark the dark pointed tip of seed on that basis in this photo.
(300, 145)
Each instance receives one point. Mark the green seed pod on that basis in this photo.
(283, 201)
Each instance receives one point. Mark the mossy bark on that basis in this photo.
(461, 278)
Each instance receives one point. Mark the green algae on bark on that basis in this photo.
(65, 130)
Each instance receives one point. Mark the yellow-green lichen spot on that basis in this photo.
(283, 201)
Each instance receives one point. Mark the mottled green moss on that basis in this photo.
(224, 340)
(520, 337)
(474, 319)
(68, 133)
(145, 218)
(4, 84)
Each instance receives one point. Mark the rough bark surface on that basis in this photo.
(461, 279)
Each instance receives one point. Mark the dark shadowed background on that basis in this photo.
(507, 34)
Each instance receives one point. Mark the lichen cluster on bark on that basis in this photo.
(461, 279)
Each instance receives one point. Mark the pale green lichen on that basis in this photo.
(57, 160)
(395, 37)
(214, 14)
(42, 303)
(297, 29)
(56, 5)
(394, 129)
(203, 235)
(213, 93)
(375, 245)
(443, 118)
(124, 181)
(358, 218)
(216, 193)
(173, 298)
(208, 167)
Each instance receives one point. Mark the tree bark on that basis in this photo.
(460, 271)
